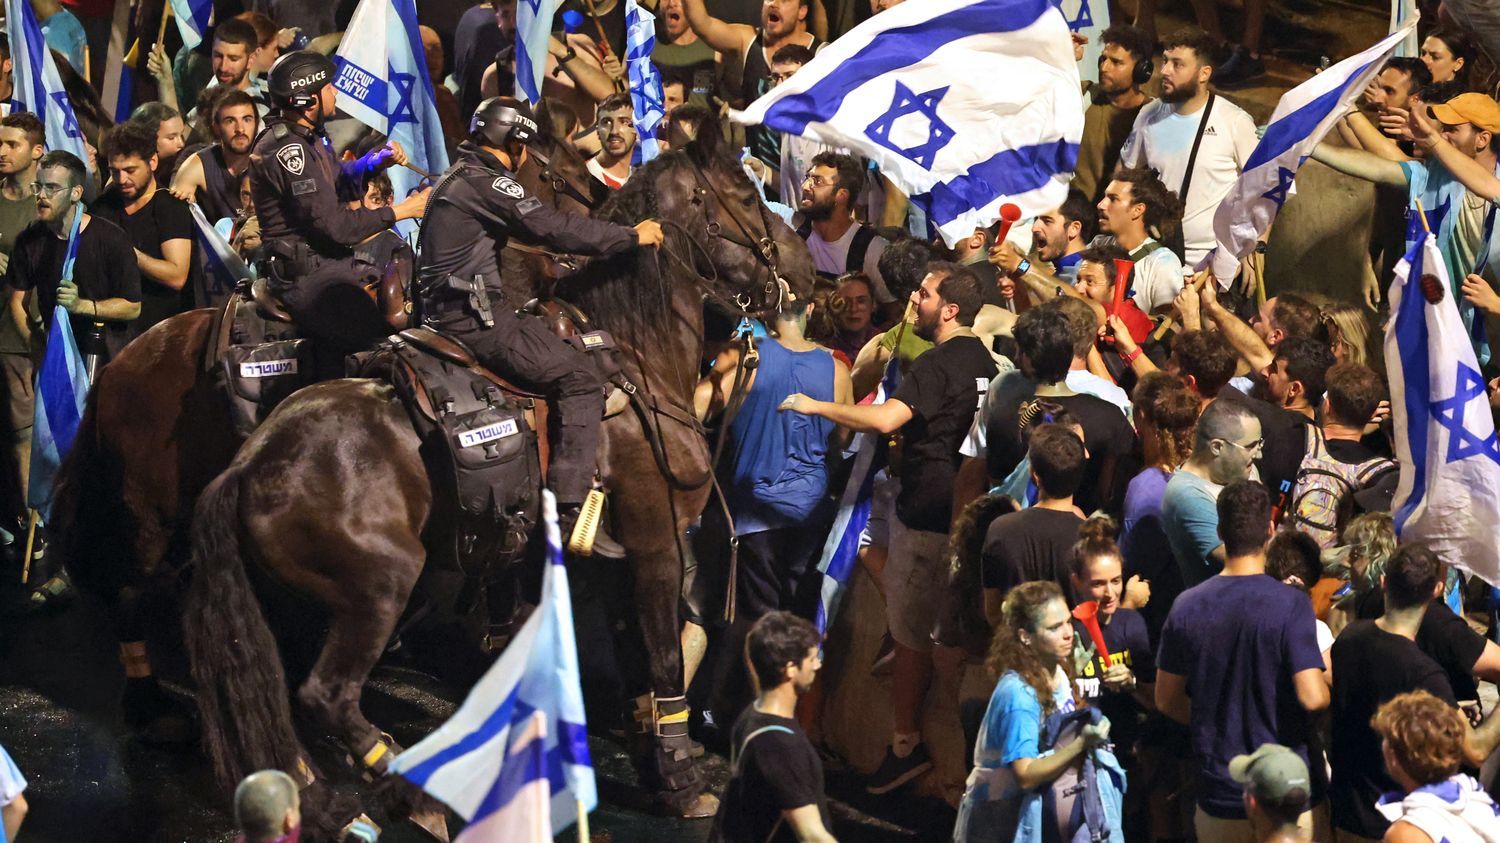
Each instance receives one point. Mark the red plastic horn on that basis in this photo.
(1088, 613)
(1122, 281)
(1009, 213)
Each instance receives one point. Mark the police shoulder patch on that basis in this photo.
(291, 158)
(508, 186)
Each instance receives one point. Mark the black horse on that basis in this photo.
(328, 501)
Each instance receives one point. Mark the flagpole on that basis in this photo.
(1422, 215)
(583, 823)
(31, 522)
(621, 85)
(161, 31)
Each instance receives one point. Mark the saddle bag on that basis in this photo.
(477, 435)
(263, 364)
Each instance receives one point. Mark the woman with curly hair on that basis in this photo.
(1032, 654)
(1425, 742)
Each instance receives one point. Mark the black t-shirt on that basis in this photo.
(613, 22)
(1128, 640)
(1285, 433)
(1030, 545)
(1445, 637)
(1370, 666)
(1107, 435)
(164, 218)
(944, 389)
(105, 269)
(775, 769)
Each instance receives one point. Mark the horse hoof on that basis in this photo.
(702, 808)
(434, 822)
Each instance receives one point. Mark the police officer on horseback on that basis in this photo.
(475, 208)
(301, 193)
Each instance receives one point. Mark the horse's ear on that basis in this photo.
(709, 143)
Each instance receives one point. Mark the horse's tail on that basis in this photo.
(241, 687)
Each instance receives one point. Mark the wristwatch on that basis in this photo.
(1021, 268)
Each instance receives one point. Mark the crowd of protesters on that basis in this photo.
(1133, 522)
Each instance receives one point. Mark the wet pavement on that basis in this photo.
(91, 780)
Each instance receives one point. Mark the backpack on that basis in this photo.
(1323, 494)
(854, 260)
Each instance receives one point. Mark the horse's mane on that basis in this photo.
(629, 295)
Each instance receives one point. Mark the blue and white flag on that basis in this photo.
(62, 385)
(383, 83)
(518, 809)
(1448, 497)
(1088, 18)
(965, 104)
(194, 17)
(533, 33)
(223, 268)
(645, 83)
(1403, 15)
(464, 762)
(1303, 116)
(36, 84)
(122, 60)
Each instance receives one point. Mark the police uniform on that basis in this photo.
(473, 211)
(310, 234)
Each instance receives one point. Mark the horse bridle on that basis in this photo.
(561, 184)
(763, 246)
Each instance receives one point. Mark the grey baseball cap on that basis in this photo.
(1273, 773)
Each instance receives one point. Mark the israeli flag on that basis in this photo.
(1303, 116)
(383, 83)
(519, 804)
(62, 385)
(645, 82)
(1403, 15)
(223, 268)
(964, 104)
(1448, 497)
(465, 762)
(533, 32)
(37, 86)
(1088, 18)
(194, 17)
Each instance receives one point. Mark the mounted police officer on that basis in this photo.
(476, 207)
(301, 193)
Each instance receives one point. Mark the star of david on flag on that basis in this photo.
(1303, 116)
(914, 89)
(1448, 497)
(382, 82)
(645, 83)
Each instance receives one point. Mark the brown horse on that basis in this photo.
(155, 432)
(327, 502)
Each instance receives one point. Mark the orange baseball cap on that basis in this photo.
(1470, 108)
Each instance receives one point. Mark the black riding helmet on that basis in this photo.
(501, 122)
(296, 78)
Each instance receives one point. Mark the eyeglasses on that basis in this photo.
(820, 181)
(37, 188)
(1251, 448)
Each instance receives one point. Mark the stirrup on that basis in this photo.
(581, 540)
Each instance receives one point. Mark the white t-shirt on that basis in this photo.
(611, 181)
(1163, 139)
(833, 258)
(1158, 275)
(12, 783)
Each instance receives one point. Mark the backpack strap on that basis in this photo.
(1187, 175)
(734, 761)
(854, 261)
(804, 229)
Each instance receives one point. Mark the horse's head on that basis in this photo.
(557, 175)
(718, 225)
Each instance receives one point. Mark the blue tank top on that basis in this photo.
(779, 468)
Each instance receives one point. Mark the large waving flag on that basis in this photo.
(645, 83)
(383, 83)
(194, 17)
(1448, 497)
(62, 385)
(964, 104)
(1303, 116)
(37, 86)
(533, 32)
(467, 761)
(124, 58)
(223, 267)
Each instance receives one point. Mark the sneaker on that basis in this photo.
(1240, 69)
(895, 772)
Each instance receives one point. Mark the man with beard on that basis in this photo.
(617, 138)
(106, 286)
(680, 50)
(1192, 125)
(782, 22)
(235, 42)
(933, 409)
(838, 242)
(1112, 106)
(1135, 205)
(1058, 237)
(158, 224)
(211, 176)
(778, 776)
